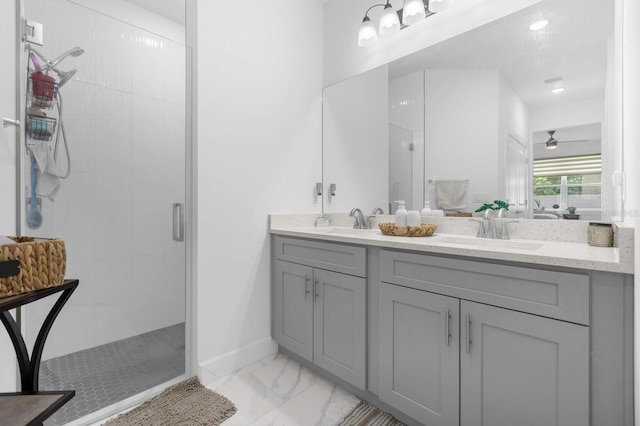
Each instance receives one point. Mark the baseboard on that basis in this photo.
(235, 359)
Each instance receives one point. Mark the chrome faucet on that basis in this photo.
(359, 216)
(487, 227)
(377, 210)
(489, 218)
(503, 232)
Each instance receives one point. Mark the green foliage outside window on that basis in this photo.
(550, 185)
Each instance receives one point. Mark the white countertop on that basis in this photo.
(455, 240)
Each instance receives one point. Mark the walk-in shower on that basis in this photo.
(120, 114)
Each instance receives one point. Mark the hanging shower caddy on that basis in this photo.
(42, 92)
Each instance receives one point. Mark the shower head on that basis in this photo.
(76, 51)
(64, 75)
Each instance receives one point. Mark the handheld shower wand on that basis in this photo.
(76, 51)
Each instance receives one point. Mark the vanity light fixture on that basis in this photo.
(413, 11)
(392, 21)
(389, 21)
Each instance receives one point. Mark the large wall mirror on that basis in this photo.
(470, 120)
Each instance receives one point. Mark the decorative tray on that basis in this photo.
(424, 230)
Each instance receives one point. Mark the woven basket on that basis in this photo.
(424, 230)
(42, 264)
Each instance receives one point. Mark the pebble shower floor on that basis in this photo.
(106, 374)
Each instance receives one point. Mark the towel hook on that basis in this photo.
(9, 122)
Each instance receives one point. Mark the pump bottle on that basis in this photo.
(401, 214)
(426, 211)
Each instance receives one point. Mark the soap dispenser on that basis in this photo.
(401, 214)
(426, 211)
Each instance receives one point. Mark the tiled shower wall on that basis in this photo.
(406, 110)
(124, 116)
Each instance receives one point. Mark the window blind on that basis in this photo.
(568, 166)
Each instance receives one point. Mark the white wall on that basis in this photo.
(7, 166)
(462, 116)
(343, 58)
(514, 114)
(568, 115)
(355, 142)
(259, 152)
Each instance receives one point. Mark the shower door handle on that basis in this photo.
(178, 222)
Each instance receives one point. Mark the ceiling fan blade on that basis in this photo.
(559, 141)
(575, 140)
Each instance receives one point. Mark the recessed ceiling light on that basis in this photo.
(538, 25)
(557, 90)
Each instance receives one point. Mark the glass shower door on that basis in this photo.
(121, 119)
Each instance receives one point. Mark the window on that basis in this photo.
(568, 182)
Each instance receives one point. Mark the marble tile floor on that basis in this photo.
(278, 391)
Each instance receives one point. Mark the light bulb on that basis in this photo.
(367, 34)
(437, 6)
(389, 21)
(413, 11)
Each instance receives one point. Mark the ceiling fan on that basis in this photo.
(552, 143)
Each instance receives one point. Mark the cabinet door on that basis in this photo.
(420, 354)
(340, 326)
(293, 308)
(521, 369)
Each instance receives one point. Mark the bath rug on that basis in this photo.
(187, 403)
(366, 414)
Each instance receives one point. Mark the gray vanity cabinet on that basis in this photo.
(293, 307)
(339, 332)
(447, 360)
(450, 362)
(319, 312)
(419, 354)
(522, 369)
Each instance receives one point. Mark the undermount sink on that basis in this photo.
(485, 242)
(353, 231)
(546, 214)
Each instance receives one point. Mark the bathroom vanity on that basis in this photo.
(453, 330)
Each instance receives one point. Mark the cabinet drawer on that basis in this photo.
(334, 257)
(559, 295)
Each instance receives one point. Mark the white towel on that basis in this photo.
(48, 177)
(452, 194)
(6, 241)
